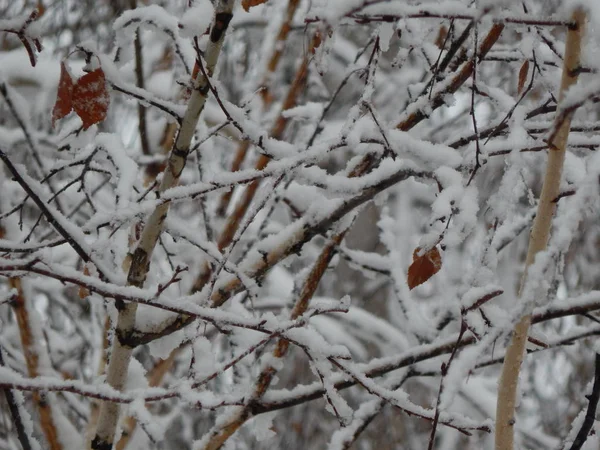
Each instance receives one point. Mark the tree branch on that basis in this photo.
(540, 233)
(590, 415)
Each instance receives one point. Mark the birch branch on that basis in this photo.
(140, 261)
(515, 353)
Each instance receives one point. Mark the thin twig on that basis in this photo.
(590, 415)
(13, 407)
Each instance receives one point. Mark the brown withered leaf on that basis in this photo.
(41, 8)
(423, 267)
(247, 4)
(441, 37)
(523, 71)
(90, 98)
(64, 96)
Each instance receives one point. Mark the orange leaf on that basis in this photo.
(90, 98)
(247, 4)
(523, 71)
(41, 8)
(423, 267)
(64, 96)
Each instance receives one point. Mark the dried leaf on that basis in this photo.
(423, 267)
(90, 98)
(247, 4)
(441, 37)
(64, 96)
(41, 8)
(523, 71)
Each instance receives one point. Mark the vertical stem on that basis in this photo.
(15, 413)
(139, 75)
(590, 415)
(32, 360)
(121, 351)
(95, 405)
(509, 378)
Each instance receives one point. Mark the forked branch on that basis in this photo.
(140, 260)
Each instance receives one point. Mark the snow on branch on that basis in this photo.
(311, 210)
